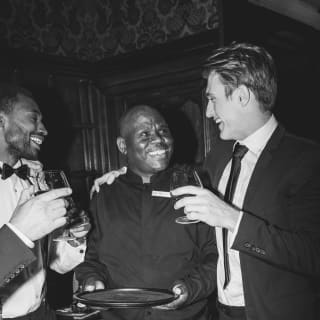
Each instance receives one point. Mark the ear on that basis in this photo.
(243, 95)
(121, 143)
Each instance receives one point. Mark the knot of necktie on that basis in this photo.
(239, 151)
(7, 171)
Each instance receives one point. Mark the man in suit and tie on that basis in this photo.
(266, 211)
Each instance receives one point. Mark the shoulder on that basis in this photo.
(301, 147)
(106, 190)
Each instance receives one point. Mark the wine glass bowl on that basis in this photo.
(76, 218)
(183, 177)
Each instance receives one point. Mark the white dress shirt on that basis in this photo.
(20, 235)
(25, 292)
(233, 294)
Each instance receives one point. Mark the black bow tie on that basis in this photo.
(7, 171)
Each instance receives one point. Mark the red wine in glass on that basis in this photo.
(183, 177)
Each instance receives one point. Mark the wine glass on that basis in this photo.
(76, 218)
(183, 177)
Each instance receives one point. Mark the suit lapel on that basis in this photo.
(260, 170)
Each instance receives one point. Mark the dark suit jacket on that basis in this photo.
(14, 255)
(279, 235)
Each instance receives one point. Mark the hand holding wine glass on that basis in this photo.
(183, 177)
(78, 223)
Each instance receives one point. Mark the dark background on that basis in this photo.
(83, 82)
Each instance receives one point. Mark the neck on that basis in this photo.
(9, 159)
(256, 125)
(145, 177)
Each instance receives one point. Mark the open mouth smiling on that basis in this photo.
(158, 153)
(37, 140)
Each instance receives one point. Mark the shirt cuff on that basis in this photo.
(235, 230)
(20, 235)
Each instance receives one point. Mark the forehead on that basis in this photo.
(25, 104)
(146, 118)
(214, 84)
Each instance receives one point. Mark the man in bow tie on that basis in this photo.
(21, 134)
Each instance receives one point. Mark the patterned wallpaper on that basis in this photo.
(95, 29)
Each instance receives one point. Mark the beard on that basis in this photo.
(18, 145)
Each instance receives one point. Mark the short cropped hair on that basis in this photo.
(9, 95)
(245, 64)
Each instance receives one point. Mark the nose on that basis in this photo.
(156, 136)
(42, 129)
(210, 110)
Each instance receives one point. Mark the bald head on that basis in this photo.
(131, 115)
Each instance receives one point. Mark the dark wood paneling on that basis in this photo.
(170, 81)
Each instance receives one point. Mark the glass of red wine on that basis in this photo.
(183, 177)
(76, 218)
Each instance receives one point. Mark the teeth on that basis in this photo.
(157, 152)
(36, 140)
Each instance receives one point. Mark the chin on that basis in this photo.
(225, 136)
(160, 166)
(30, 155)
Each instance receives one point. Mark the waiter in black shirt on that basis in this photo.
(135, 241)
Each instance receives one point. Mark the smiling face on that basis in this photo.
(23, 129)
(147, 142)
(227, 112)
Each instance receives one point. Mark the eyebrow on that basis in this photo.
(35, 111)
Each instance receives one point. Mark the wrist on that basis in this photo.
(233, 219)
(27, 241)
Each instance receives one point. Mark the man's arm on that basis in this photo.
(65, 255)
(201, 281)
(14, 258)
(296, 247)
(31, 220)
(91, 273)
(292, 240)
